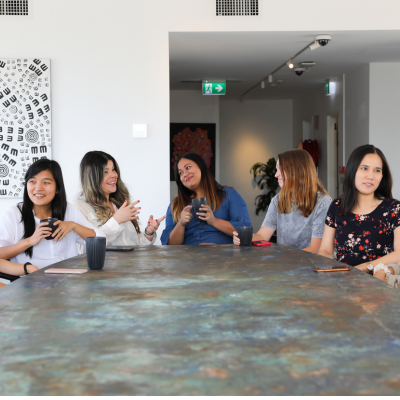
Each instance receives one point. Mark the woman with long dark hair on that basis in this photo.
(298, 211)
(22, 233)
(361, 225)
(105, 202)
(224, 211)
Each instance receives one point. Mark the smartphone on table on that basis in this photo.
(120, 248)
(332, 269)
(260, 243)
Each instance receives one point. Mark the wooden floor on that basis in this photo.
(200, 320)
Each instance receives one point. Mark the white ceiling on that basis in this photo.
(251, 56)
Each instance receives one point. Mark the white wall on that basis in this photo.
(357, 108)
(110, 64)
(384, 121)
(252, 131)
(192, 106)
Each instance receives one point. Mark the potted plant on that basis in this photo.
(264, 176)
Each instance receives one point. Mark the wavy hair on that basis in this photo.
(92, 170)
(300, 183)
(58, 204)
(349, 197)
(212, 189)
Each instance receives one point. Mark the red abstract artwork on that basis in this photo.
(192, 138)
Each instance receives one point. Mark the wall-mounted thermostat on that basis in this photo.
(140, 131)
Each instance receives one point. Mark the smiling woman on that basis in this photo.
(218, 216)
(105, 202)
(21, 229)
(361, 225)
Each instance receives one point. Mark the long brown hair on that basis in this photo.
(92, 170)
(212, 189)
(300, 183)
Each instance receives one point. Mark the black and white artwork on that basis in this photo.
(25, 120)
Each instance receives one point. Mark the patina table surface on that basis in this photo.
(200, 320)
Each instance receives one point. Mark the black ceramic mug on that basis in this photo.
(50, 225)
(95, 252)
(196, 203)
(245, 235)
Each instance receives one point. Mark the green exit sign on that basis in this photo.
(326, 88)
(214, 88)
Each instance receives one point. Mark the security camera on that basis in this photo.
(323, 40)
(299, 71)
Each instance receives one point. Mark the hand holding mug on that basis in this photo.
(153, 224)
(186, 216)
(41, 232)
(236, 239)
(127, 212)
(62, 228)
(206, 214)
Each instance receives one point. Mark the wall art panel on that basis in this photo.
(192, 138)
(25, 120)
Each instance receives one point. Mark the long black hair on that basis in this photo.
(350, 195)
(213, 191)
(58, 204)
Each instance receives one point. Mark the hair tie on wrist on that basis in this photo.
(148, 234)
(25, 269)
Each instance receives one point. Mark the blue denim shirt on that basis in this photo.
(233, 209)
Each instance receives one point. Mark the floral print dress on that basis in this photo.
(361, 238)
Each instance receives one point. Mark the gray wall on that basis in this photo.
(252, 131)
(357, 109)
(384, 122)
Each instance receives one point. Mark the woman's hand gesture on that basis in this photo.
(41, 232)
(127, 212)
(186, 216)
(206, 214)
(236, 239)
(153, 224)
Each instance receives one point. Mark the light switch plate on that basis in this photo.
(139, 131)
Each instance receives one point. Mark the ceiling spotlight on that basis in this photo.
(290, 64)
(323, 40)
(314, 46)
(270, 78)
(299, 71)
(308, 64)
(262, 84)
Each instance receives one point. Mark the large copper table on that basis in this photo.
(200, 320)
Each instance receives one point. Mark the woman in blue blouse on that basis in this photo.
(224, 212)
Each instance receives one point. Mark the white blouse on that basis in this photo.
(46, 252)
(117, 234)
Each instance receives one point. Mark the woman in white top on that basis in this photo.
(105, 202)
(22, 236)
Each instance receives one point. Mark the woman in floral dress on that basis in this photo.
(360, 227)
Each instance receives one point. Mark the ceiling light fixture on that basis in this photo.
(262, 84)
(320, 40)
(314, 46)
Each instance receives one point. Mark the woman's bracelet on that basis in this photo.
(383, 267)
(148, 234)
(25, 269)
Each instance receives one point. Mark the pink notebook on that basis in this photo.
(65, 271)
